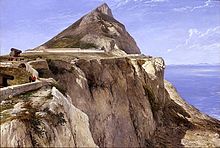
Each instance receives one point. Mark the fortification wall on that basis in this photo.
(14, 90)
(5, 64)
(68, 50)
(30, 69)
(39, 64)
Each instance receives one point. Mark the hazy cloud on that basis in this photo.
(201, 44)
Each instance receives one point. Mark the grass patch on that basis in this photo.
(70, 42)
(26, 96)
(6, 106)
(4, 117)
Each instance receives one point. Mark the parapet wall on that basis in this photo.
(30, 69)
(67, 50)
(23, 88)
(14, 90)
(39, 64)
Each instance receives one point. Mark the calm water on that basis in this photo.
(199, 85)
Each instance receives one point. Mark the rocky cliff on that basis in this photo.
(102, 99)
(44, 118)
(129, 105)
(98, 29)
(111, 102)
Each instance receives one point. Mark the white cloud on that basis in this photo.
(181, 9)
(198, 47)
(206, 4)
(120, 3)
(191, 32)
(155, 1)
(169, 50)
(208, 37)
(192, 8)
(210, 31)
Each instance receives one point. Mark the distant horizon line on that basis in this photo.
(195, 64)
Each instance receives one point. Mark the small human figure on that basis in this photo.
(33, 78)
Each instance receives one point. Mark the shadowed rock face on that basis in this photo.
(98, 29)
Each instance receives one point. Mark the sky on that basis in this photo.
(180, 31)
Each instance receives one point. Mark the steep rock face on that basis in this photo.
(127, 101)
(98, 29)
(44, 118)
(116, 99)
(129, 105)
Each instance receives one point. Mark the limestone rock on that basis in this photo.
(49, 120)
(99, 30)
(129, 104)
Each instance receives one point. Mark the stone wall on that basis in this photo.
(5, 64)
(69, 50)
(30, 69)
(14, 90)
(39, 64)
(23, 88)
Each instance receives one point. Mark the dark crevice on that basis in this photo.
(33, 141)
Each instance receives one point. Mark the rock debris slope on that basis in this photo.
(98, 29)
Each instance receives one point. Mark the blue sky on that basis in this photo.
(180, 31)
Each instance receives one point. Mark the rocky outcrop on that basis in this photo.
(108, 99)
(44, 118)
(98, 29)
(125, 100)
(128, 104)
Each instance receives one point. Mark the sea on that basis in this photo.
(199, 85)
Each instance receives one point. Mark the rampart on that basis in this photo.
(67, 50)
(14, 90)
(30, 69)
